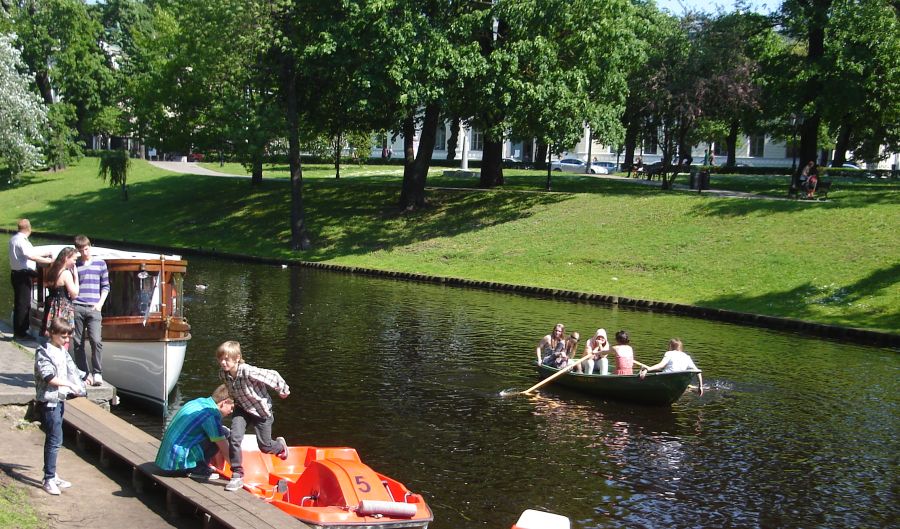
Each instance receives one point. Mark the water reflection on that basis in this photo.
(793, 432)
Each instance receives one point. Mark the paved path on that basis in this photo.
(191, 168)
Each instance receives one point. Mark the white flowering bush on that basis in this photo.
(23, 116)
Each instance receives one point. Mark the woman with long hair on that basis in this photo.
(62, 283)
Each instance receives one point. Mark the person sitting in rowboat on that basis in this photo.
(572, 349)
(675, 360)
(624, 354)
(551, 350)
(597, 347)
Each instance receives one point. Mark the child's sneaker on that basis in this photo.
(98, 379)
(61, 483)
(235, 483)
(284, 452)
(50, 487)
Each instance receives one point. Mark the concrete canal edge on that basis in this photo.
(863, 336)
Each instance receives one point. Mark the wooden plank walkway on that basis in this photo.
(126, 443)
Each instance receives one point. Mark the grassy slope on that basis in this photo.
(834, 262)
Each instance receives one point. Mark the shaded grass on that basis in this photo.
(832, 262)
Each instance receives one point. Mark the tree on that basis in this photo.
(731, 48)
(805, 20)
(114, 169)
(547, 69)
(671, 104)
(861, 91)
(60, 43)
(23, 117)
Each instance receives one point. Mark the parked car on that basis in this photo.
(574, 165)
(511, 162)
(610, 167)
(846, 165)
(854, 167)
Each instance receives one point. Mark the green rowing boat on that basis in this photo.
(656, 388)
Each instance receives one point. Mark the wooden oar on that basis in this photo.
(560, 373)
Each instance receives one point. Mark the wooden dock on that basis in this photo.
(124, 443)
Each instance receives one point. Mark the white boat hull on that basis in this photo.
(144, 370)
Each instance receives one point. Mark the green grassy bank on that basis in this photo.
(832, 262)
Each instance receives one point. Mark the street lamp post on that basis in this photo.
(794, 120)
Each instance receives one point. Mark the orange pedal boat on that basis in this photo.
(330, 487)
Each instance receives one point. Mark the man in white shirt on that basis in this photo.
(676, 360)
(21, 252)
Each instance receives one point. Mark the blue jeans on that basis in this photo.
(52, 423)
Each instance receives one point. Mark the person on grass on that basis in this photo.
(676, 360)
(248, 386)
(56, 378)
(196, 435)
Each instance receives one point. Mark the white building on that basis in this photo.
(755, 151)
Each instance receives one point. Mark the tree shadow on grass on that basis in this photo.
(24, 180)
(219, 214)
(800, 301)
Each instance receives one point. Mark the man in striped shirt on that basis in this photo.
(93, 280)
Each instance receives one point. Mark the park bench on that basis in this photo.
(822, 189)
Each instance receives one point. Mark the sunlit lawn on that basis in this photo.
(833, 261)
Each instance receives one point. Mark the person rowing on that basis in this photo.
(675, 360)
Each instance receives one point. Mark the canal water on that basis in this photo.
(792, 431)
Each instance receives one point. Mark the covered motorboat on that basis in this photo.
(145, 333)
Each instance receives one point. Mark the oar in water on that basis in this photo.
(558, 374)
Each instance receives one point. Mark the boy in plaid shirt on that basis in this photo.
(248, 386)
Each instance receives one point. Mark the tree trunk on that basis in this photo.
(299, 238)
(408, 131)
(491, 163)
(809, 141)
(256, 172)
(843, 143)
(809, 129)
(540, 157)
(338, 143)
(453, 141)
(42, 80)
(631, 135)
(731, 143)
(413, 194)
